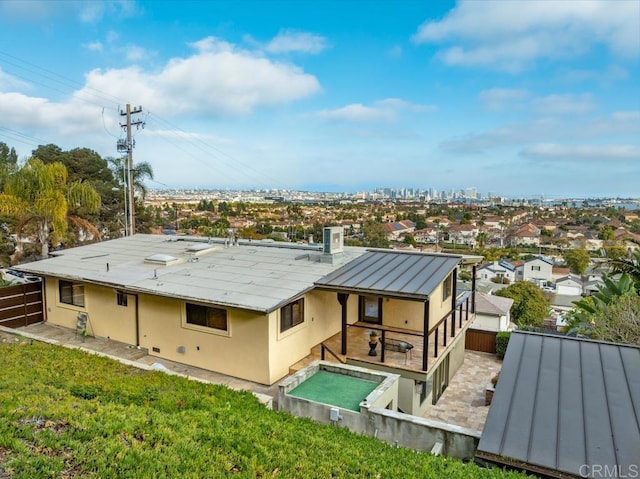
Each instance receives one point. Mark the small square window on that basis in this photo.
(291, 315)
(122, 298)
(447, 287)
(71, 293)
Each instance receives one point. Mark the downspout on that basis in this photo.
(44, 300)
(137, 321)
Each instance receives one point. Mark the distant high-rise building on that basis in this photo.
(471, 193)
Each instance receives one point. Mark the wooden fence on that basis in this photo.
(478, 340)
(21, 305)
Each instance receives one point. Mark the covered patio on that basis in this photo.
(416, 284)
(425, 349)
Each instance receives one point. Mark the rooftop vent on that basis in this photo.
(159, 258)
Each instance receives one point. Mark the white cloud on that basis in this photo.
(564, 104)
(512, 35)
(508, 135)
(41, 114)
(621, 125)
(34, 10)
(382, 110)
(296, 41)
(219, 79)
(605, 76)
(579, 153)
(497, 99)
(186, 136)
(83, 11)
(9, 82)
(91, 12)
(502, 99)
(135, 53)
(357, 112)
(96, 46)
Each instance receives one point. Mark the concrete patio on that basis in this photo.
(462, 403)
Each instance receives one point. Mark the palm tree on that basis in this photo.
(39, 194)
(141, 171)
(629, 264)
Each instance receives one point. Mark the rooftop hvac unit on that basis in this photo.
(333, 239)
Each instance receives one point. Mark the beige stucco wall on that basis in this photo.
(403, 314)
(456, 355)
(242, 352)
(487, 322)
(106, 319)
(253, 349)
(323, 316)
(409, 314)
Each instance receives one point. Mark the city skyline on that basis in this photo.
(536, 98)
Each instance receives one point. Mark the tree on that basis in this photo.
(607, 234)
(578, 260)
(615, 252)
(630, 264)
(141, 171)
(409, 239)
(530, 306)
(619, 321)
(374, 235)
(481, 238)
(8, 163)
(40, 194)
(581, 318)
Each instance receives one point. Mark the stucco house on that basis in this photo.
(569, 285)
(394, 230)
(537, 270)
(497, 269)
(493, 313)
(525, 235)
(252, 309)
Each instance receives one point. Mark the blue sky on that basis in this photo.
(517, 97)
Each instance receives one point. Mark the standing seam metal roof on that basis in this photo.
(565, 405)
(395, 273)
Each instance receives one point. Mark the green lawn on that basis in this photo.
(65, 414)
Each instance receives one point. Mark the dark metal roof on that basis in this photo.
(408, 275)
(565, 405)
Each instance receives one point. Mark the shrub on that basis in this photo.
(502, 341)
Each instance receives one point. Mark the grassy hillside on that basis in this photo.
(64, 413)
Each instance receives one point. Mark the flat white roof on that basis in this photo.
(251, 275)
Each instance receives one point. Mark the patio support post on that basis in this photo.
(382, 348)
(425, 329)
(342, 299)
(435, 344)
(444, 336)
(466, 312)
(473, 289)
(460, 315)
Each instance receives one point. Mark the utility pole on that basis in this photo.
(127, 146)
